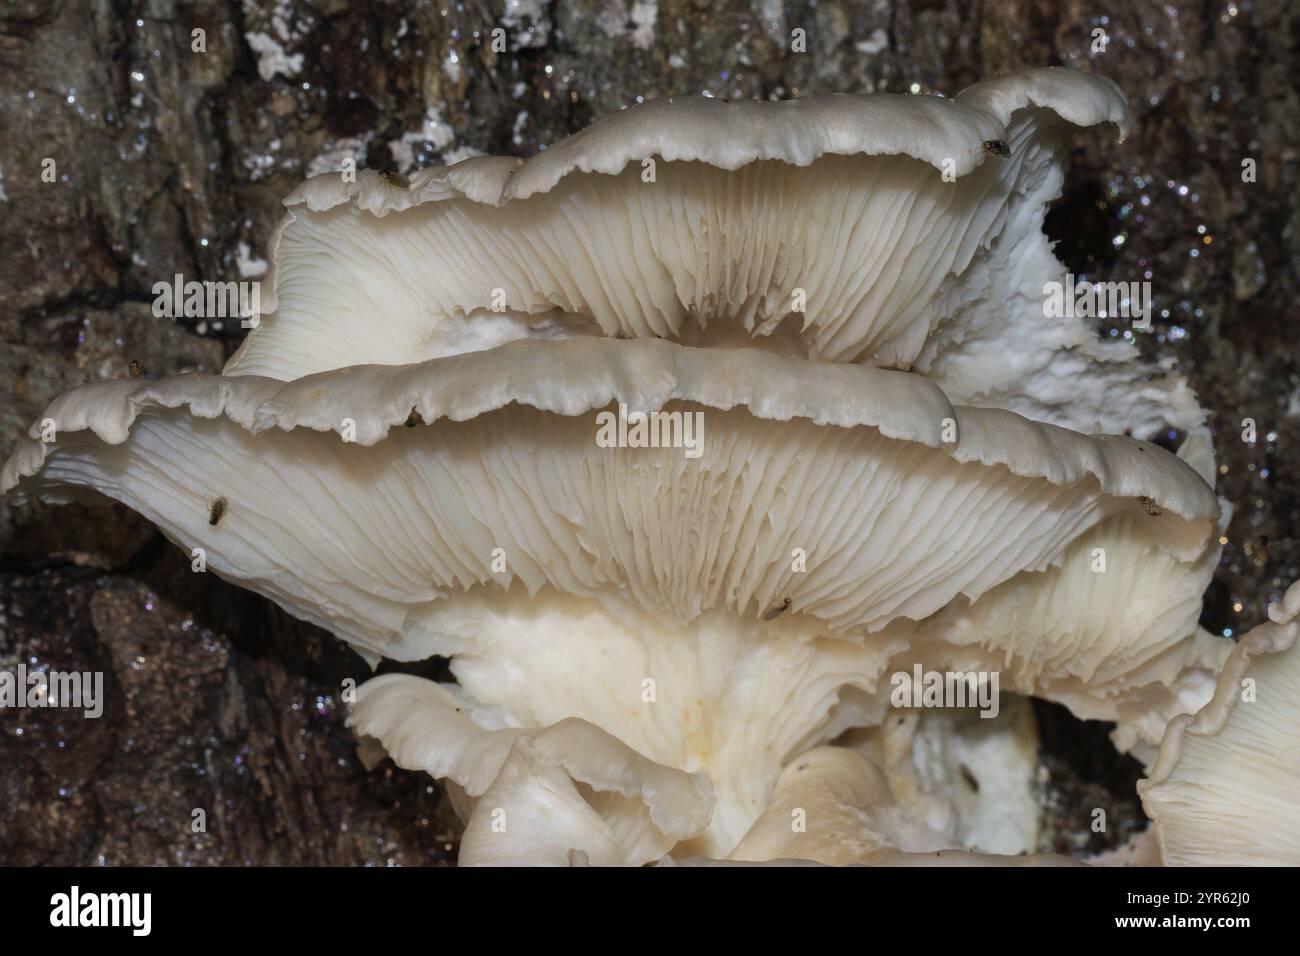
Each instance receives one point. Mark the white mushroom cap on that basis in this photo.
(1110, 631)
(535, 795)
(868, 220)
(364, 540)
(1225, 789)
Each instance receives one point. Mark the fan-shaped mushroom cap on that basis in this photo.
(1225, 789)
(364, 540)
(1110, 631)
(868, 220)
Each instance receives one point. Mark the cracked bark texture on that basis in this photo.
(167, 159)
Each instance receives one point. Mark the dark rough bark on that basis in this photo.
(167, 160)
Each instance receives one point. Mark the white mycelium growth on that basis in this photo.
(660, 651)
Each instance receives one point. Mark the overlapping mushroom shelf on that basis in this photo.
(855, 250)
(884, 230)
(407, 452)
(899, 525)
(847, 464)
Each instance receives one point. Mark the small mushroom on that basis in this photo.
(852, 818)
(529, 780)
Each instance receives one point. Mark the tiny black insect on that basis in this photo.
(1149, 506)
(413, 419)
(998, 146)
(135, 369)
(774, 612)
(394, 179)
(218, 509)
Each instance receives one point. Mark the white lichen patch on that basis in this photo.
(269, 44)
(332, 159)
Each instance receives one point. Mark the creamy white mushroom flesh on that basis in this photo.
(644, 637)
(567, 787)
(833, 805)
(621, 566)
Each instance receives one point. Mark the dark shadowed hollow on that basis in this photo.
(170, 161)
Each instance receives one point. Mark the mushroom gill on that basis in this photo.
(874, 229)
(1225, 789)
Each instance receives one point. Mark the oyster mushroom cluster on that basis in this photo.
(683, 440)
